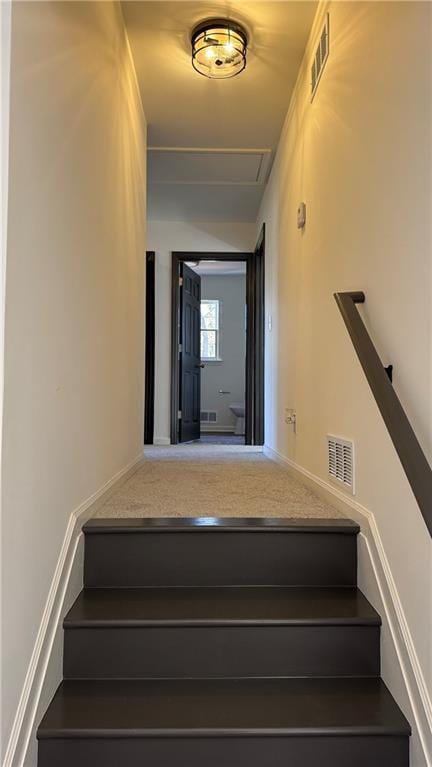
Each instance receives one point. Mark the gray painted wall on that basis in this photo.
(229, 374)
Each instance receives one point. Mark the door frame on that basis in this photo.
(257, 347)
(255, 312)
(149, 370)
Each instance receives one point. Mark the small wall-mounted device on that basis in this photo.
(291, 417)
(301, 215)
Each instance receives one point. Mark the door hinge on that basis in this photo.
(180, 348)
(181, 281)
(179, 414)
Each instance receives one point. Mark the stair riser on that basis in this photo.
(222, 651)
(220, 558)
(346, 751)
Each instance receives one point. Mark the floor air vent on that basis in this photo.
(321, 56)
(208, 416)
(341, 460)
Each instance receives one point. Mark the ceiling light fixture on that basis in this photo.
(219, 48)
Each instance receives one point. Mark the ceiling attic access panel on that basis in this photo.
(208, 166)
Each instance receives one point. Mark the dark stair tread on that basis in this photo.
(219, 524)
(246, 605)
(217, 707)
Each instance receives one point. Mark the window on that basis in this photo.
(210, 330)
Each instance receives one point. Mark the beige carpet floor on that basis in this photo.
(212, 480)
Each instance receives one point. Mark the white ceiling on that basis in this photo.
(186, 111)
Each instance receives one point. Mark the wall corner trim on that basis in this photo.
(413, 678)
(24, 721)
(132, 64)
(161, 441)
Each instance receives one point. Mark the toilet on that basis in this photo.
(238, 409)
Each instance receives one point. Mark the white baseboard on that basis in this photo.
(211, 429)
(165, 441)
(44, 671)
(161, 441)
(403, 674)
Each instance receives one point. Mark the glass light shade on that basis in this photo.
(219, 49)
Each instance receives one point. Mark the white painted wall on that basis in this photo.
(359, 155)
(73, 400)
(164, 237)
(5, 52)
(229, 373)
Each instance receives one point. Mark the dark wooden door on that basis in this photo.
(190, 355)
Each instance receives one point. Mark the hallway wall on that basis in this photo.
(359, 155)
(165, 237)
(73, 403)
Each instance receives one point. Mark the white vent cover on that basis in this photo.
(341, 460)
(208, 416)
(321, 56)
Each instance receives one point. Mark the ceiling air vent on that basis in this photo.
(321, 56)
(341, 461)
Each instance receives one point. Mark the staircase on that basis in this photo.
(222, 643)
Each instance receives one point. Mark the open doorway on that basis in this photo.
(217, 350)
(222, 353)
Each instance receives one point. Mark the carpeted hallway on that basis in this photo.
(212, 480)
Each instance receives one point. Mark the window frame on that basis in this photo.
(217, 330)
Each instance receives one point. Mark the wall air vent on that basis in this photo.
(208, 416)
(321, 56)
(341, 461)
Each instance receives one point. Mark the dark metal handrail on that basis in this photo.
(412, 457)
